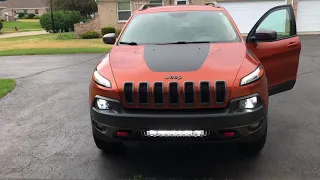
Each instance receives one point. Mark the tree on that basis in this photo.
(63, 21)
(85, 7)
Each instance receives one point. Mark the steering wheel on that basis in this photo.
(205, 37)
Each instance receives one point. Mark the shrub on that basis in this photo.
(118, 31)
(31, 16)
(107, 30)
(25, 17)
(2, 20)
(36, 17)
(90, 35)
(1, 26)
(66, 36)
(63, 21)
(20, 14)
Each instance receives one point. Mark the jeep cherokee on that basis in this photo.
(185, 74)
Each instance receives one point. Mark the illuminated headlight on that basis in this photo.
(99, 79)
(252, 77)
(175, 133)
(249, 103)
(103, 104)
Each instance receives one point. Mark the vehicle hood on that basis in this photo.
(193, 62)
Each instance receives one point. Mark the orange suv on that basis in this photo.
(184, 74)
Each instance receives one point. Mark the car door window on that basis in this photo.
(278, 21)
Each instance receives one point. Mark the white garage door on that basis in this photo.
(246, 14)
(308, 18)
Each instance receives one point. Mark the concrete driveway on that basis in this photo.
(21, 34)
(45, 129)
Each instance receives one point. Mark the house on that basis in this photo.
(10, 8)
(244, 12)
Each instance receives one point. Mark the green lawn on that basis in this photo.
(6, 86)
(23, 26)
(16, 52)
(49, 44)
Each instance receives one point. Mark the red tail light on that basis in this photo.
(122, 134)
(228, 134)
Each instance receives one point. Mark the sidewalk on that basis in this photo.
(20, 34)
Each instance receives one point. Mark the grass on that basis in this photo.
(17, 52)
(22, 25)
(6, 86)
(49, 44)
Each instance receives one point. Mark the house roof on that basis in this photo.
(21, 4)
(4, 4)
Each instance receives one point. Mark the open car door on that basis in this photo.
(274, 41)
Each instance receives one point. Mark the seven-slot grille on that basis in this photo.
(158, 93)
(206, 93)
(173, 93)
(220, 92)
(189, 92)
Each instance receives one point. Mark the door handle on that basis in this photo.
(292, 44)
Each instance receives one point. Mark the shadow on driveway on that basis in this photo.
(182, 161)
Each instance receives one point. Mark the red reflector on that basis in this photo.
(122, 134)
(228, 134)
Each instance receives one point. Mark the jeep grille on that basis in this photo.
(158, 95)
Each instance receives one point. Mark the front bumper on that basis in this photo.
(106, 124)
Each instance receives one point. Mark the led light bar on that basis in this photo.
(175, 133)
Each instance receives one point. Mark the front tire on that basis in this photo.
(108, 147)
(254, 148)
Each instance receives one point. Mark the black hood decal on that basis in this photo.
(175, 58)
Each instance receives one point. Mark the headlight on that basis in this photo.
(101, 80)
(103, 104)
(249, 103)
(106, 104)
(252, 77)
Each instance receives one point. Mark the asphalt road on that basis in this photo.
(45, 129)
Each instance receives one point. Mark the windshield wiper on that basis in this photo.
(129, 43)
(185, 42)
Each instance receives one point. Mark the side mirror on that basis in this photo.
(265, 35)
(109, 38)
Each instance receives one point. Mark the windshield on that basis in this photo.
(175, 27)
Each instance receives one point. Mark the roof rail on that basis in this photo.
(146, 6)
(213, 4)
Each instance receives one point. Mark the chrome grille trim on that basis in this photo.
(200, 93)
(185, 95)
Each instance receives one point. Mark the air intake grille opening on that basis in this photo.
(173, 93)
(189, 92)
(158, 93)
(143, 93)
(204, 93)
(220, 87)
(128, 92)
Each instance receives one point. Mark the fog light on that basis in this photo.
(249, 103)
(255, 125)
(175, 133)
(103, 104)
